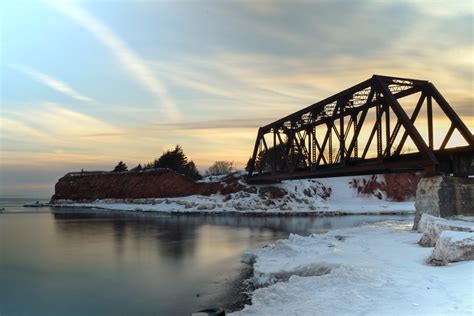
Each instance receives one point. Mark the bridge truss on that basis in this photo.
(364, 130)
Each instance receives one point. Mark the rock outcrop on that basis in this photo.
(156, 183)
(395, 187)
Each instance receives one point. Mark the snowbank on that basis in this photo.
(374, 269)
(329, 196)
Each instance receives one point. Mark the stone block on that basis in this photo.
(453, 247)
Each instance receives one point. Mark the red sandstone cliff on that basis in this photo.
(157, 183)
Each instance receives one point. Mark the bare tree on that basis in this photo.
(220, 167)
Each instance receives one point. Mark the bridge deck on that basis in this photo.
(455, 161)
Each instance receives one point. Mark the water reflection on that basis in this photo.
(181, 225)
(86, 262)
(197, 257)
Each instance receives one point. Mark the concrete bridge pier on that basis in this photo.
(444, 196)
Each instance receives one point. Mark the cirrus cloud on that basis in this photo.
(51, 82)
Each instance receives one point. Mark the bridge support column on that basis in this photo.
(444, 196)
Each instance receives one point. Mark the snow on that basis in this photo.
(456, 236)
(329, 196)
(220, 177)
(376, 269)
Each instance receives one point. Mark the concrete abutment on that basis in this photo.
(444, 196)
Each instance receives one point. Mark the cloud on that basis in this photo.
(236, 123)
(49, 126)
(128, 59)
(262, 7)
(440, 8)
(51, 82)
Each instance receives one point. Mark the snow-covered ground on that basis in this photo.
(377, 269)
(322, 196)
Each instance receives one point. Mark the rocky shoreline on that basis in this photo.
(232, 213)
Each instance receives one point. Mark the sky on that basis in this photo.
(86, 84)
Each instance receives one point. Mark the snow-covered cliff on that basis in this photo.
(343, 195)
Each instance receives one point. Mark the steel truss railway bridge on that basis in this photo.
(382, 125)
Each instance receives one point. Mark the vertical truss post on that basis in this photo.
(387, 129)
(330, 145)
(313, 132)
(274, 164)
(356, 134)
(341, 132)
(310, 147)
(429, 112)
(379, 130)
(291, 136)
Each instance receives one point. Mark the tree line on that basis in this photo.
(177, 160)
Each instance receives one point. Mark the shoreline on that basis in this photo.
(233, 212)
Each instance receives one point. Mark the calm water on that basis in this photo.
(102, 263)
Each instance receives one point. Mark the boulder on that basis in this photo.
(272, 192)
(453, 246)
(432, 227)
(427, 221)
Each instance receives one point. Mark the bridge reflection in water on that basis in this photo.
(365, 129)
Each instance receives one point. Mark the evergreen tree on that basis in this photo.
(176, 160)
(148, 165)
(137, 168)
(265, 158)
(121, 166)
